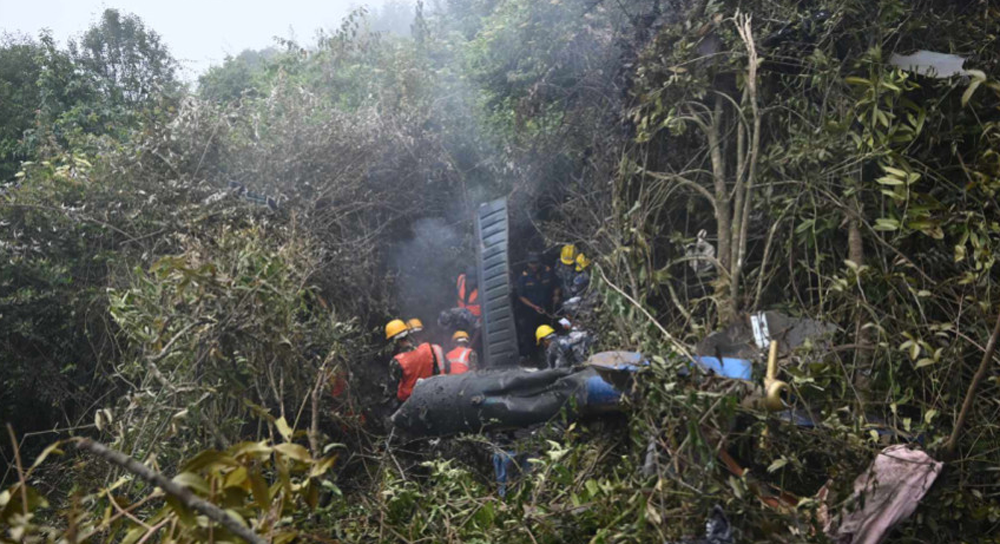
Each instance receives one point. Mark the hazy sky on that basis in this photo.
(198, 32)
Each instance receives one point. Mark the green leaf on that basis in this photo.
(283, 429)
(889, 180)
(184, 513)
(133, 535)
(259, 450)
(895, 171)
(261, 494)
(967, 95)
(294, 451)
(924, 362)
(208, 459)
(777, 464)
(322, 466)
(332, 487)
(236, 478)
(853, 80)
(886, 224)
(192, 481)
(959, 253)
(236, 515)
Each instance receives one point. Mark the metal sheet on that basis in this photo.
(509, 398)
(499, 328)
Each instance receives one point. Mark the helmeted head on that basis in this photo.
(582, 262)
(567, 255)
(415, 325)
(460, 337)
(534, 260)
(396, 331)
(544, 334)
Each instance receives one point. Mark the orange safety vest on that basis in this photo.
(469, 303)
(423, 362)
(459, 359)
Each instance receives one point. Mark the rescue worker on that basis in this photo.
(462, 357)
(581, 277)
(416, 330)
(537, 294)
(411, 363)
(565, 269)
(468, 292)
(563, 351)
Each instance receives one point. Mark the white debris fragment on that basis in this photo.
(701, 253)
(931, 64)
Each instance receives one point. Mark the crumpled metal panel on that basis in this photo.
(499, 328)
(503, 399)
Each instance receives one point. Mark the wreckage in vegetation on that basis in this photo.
(504, 396)
(509, 398)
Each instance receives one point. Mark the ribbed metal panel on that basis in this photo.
(499, 329)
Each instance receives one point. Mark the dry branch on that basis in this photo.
(183, 494)
(677, 345)
(970, 395)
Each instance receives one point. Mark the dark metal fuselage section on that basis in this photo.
(492, 259)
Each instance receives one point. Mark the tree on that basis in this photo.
(395, 17)
(129, 64)
(19, 98)
(237, 75)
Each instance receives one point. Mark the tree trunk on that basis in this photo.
(723, 213)
(863, 355)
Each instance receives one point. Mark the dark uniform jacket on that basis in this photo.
(565, 273)
(537, 287)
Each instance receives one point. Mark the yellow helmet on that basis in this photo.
(460, 334)
(415, 325)
(543, 332)
(567, 254)
(395, 329)
(582, 262)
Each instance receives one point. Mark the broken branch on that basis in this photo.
(963, 414)
(183, 494)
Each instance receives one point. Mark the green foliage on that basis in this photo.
(265, 486)
(19, 96)
(135, 268)
(51, 290)
(238, 76)
(229, 325)
(128, 65)
(869, 206)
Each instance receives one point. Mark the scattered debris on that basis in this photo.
(238, 189)
(885, 494)
(507, 466)
(727, 367)
(717, 530)
(931, 64)
(701, 253)
(738, 341)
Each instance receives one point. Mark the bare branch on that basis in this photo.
(182, 493)
(970, 395)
